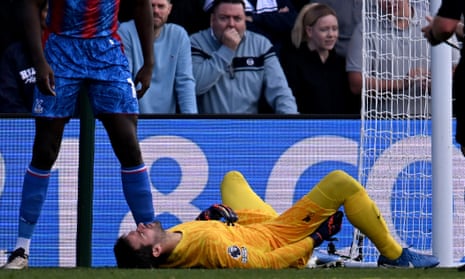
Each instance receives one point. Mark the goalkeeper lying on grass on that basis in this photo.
(257, 237)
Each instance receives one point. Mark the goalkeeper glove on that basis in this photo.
(327, 229)
(219, 212)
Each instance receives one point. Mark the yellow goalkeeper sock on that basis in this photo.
(363, 213)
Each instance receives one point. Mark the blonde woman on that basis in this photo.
(315, 72)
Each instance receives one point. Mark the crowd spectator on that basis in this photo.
(349, 14)
(126, 11)
(272, 18)
(235, 68)
(299, 4)
(17, 80)
(17, 75)
(190, 15)
(187, 13)
(314, 71)
(402, 74)
(10, 27)
(172, 87)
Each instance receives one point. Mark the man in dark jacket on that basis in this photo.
(441, 27)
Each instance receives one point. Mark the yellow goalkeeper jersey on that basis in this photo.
(214, 244)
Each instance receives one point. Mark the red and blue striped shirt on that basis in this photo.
(83, 18)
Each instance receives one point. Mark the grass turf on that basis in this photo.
(330, 273)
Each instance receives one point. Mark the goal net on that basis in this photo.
(395, 144)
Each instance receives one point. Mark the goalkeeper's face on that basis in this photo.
(146, 235)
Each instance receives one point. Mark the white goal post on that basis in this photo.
(413, 183)
(441, 151)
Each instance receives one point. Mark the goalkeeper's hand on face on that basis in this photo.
(219, 212)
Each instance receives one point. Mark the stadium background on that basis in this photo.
(187, 158)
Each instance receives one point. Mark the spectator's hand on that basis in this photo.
(283, 10)
(459, 31)
(45, 79)
(231, 38)
(420, 77)
(428, 32)
(142, 80)
(427, 28)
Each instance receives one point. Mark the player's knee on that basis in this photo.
(44, 156)
(338, 176)
(340, 180)
(233, 175)
(130, 155)
(232, 179)
(128, 161)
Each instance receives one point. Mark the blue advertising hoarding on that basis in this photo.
(187, 158)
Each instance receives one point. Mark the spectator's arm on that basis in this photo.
(354, 69)
(126, 32)
(184, 83)
(209, 68)
(356, 82)
(443, 27)
(277, 92)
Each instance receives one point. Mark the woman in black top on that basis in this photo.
(315, 72)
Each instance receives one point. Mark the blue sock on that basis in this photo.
(35, 187)
(137, 191)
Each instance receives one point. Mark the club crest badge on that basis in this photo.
(238, 253)
(250, 62)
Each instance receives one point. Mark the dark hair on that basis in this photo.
(128, 257)
(216, 3)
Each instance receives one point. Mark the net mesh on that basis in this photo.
(395, 143)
